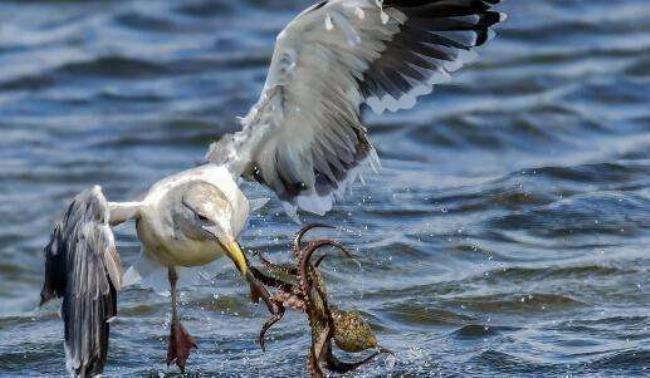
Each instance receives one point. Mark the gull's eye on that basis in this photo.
(202, 218)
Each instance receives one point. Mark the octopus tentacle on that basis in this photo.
(320, 261)
(304, 278)
(297, 240)
(271, 281)
(279, 309)
(322, 341)
(313, 366)
(341, 367)
(270, 322)
(276, 268)
(323, 297)
(383, 350)
(314, 245)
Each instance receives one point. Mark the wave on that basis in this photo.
(114, 66)
(476, 331)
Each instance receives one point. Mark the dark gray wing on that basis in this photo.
(304, 138)
(82, 266)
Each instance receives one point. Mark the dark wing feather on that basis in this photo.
(435, 37)
(82, 267)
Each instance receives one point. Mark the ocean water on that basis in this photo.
(507, 234)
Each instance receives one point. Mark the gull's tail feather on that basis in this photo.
(82, 266)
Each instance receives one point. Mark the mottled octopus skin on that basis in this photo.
(307, 293)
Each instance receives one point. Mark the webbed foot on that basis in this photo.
(180, 346)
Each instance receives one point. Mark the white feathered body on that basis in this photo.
(156, 228)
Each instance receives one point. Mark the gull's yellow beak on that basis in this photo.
(235, 253)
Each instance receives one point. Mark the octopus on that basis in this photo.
(301, 288)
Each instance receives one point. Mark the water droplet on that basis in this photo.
(390, 362)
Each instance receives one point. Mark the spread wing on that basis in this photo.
(82, 266)
(304, 138)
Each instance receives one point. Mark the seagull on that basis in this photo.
(304, 139)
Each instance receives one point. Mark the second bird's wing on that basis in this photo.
(82, 267)
(304, 138)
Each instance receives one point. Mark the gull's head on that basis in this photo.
(204, 213)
